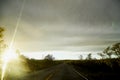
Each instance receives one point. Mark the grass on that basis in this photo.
(104, 69)
(107, 69)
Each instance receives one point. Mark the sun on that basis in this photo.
(8, 56)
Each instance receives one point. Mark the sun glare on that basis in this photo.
(8, 56)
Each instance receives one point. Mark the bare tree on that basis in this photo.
(108, 52)
(89, 56)
(113, 50)
(101, 55)
(81, 57)
(116, 49)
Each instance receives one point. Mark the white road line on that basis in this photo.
(80, 74)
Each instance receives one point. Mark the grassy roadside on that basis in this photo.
(35, 65)
(107, 69)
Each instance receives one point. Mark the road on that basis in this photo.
(59, 72)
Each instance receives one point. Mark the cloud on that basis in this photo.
(63, 24)
(93, 12)
(2, 4)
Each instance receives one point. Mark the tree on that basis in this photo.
(1, 32)
(81, 57)
(89, 56)
(21, 56)
(113, 50)
(49, 57)
(101, 55)
(116, 49)
(108, 52)
(2, 44)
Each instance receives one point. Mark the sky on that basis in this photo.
(64, 28)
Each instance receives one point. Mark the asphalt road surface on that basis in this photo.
(59, 72)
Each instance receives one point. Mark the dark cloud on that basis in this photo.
(2, 4)
(95, 12)
(64, 24)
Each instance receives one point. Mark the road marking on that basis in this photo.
(51, 75)
(80, 74)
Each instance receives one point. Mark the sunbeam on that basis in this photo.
(10, 54)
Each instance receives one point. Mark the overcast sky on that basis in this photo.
(62, 25)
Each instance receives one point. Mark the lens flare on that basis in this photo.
(3, 71)
(7, 57)
(10, 55)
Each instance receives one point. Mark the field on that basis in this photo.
(107, 69)
(104, 69)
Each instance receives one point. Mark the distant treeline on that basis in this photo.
(35, 65)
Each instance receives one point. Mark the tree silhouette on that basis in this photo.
(21, 56)
(49, 57)
(1, 32)
(89, 56)
(101, 55)
(2, 44)
(113, 50)
(108, 52)
(116, 49)
(81, 57)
